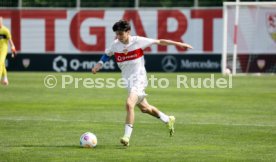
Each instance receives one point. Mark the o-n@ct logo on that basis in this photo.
(169, 63)
(60, 64)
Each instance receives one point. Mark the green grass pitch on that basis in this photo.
(232, 124)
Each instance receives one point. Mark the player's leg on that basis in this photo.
(3, 70)
(145, 107)
(130, 104)
(5, 80)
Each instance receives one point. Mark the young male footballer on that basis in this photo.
(129, 55)
(5, 39)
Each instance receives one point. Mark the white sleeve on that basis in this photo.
(109, 51)
(145, 42)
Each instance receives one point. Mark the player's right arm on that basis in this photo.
(105, 57)
(99, 65)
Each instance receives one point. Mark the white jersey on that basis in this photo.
(130, 59)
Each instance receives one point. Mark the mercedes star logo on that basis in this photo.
(169, 63)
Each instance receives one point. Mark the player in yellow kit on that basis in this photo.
(5, 38)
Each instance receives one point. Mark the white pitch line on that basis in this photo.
(145, 122)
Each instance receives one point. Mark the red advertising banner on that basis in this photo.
(90, 31)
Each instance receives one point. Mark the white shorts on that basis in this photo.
(139, 92)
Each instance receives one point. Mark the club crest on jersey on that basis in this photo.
(271, 25)
(125, 51)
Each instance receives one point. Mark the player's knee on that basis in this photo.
(129, 105)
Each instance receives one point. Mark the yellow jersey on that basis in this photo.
(5, 35)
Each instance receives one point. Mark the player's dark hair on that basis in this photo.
(121, 25)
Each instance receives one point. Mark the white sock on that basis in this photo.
(128, 130)
(5, 78)
(163, 117)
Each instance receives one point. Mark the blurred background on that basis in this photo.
(117, 3)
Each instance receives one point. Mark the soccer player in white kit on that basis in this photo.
(129, 55)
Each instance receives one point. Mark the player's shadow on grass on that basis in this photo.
(58, 146)
(110, 147)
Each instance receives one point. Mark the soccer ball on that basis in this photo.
(227, 71)
(88, 140)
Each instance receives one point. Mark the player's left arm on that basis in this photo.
(166, 42)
